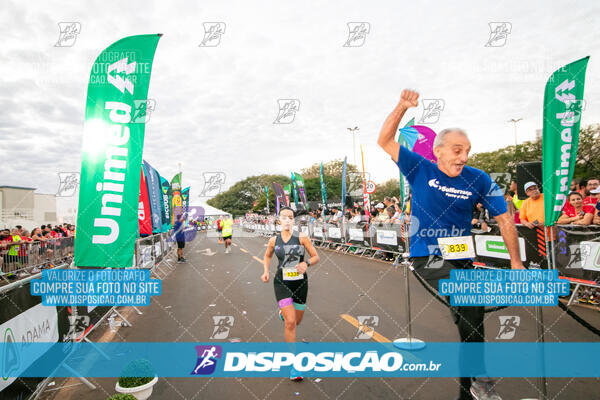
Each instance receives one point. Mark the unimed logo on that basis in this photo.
(207, 359)
(497, 247)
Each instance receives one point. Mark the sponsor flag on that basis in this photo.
(155, 197)
(344, 166)
(280, 198)
(176, 197)
(323, 188)
(107, 226)
(267, 192)
(563, 101)
(300, 188)
(144, 212)
(185, 200)
(366, 201)
(295, 190)
(403, 183)
(165, 190)
(287, 189)
(419, 139)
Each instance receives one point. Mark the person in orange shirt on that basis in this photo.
(532, 210)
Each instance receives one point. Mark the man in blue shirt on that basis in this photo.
(178, 230)
(443, 196)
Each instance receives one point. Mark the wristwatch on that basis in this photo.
(307, 262)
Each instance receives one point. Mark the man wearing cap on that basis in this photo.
(532, 210)
(380, 217)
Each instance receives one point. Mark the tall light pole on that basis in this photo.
(514, 121)
(353, 132)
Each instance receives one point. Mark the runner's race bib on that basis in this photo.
(291, 274)
(457, 248)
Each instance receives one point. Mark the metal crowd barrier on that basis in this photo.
(24, 258)
(151, 252)
(362, 239)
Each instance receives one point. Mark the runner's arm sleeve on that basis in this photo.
(409, 162)
(491, 196)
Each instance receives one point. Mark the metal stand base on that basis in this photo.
(409, 344)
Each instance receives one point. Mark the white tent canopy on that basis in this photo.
(210, 210)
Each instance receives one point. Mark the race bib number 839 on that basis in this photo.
(456, 248)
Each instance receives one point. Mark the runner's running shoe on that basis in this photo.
(295, 375)
(483, 389)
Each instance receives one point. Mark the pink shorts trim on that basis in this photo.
(285, 302)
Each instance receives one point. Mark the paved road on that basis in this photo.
(342, 288)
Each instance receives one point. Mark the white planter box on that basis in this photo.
(139, 392)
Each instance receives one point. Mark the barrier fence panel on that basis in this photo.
(574, 249)
(318, 233)
(387, 237)
(26, 257)
(333, 234)
(21, 313)
(23, 318)
(356, 236)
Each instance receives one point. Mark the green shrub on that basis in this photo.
(137, 373)
(122, 396)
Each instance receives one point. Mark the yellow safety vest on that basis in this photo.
(227, 227)
(14, 249)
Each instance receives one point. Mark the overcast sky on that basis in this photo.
(215, 106)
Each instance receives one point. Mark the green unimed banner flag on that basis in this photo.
(563, 102)
(107, 221)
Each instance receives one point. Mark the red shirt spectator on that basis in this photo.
(570, 212)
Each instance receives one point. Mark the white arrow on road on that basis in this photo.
(206, 252)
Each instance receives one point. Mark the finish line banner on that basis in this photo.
(111, 157)
(219, 359)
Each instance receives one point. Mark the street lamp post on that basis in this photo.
(353, 132)
(514, 121)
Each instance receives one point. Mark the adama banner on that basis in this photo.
(563, 100)
(107, 221)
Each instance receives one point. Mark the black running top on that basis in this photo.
(291, 253)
